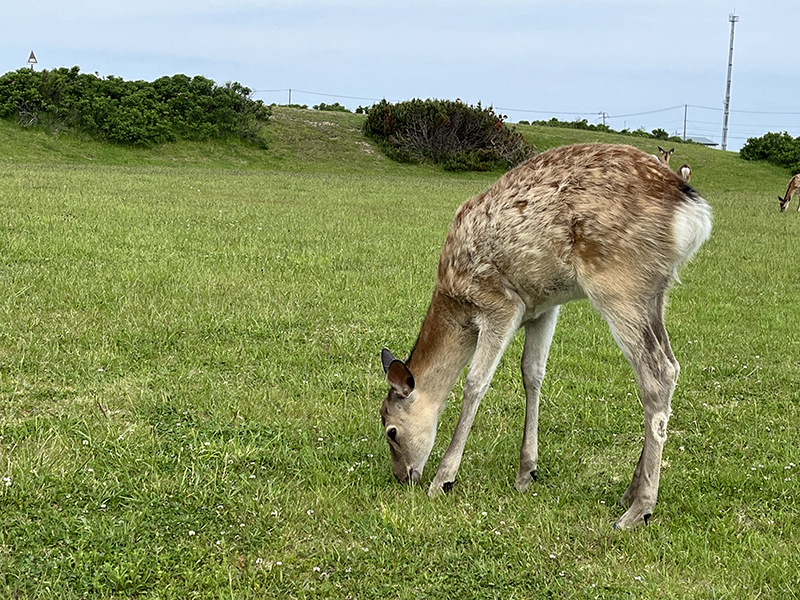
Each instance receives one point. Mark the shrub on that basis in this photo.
(335, 107)
(777, 148)
(131, 112)
(452, 134)
(576, 124)
(658, 134)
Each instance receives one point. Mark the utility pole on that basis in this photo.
(685, 117)
(733, 19)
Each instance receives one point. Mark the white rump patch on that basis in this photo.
(691, 227)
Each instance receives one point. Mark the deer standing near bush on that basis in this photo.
(595, 221)
(791, 190)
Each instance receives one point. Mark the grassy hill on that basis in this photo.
(327, 141)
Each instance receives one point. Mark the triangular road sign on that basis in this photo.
(32, 58)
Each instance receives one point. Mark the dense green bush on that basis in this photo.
(131, 112)
(778, 148)
(582, 124)
(458, 136)
(657, 134)
(335, 107)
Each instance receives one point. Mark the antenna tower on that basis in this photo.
(733, 19)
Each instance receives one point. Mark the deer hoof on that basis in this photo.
(523, 481)
(447, 486)
(634, 516)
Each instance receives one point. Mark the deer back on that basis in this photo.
(605, 213)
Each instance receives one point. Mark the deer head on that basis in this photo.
(665, 154)
(409, 422)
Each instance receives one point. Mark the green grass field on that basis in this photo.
(190, 380)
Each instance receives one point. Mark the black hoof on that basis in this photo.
(533, 474)
(447, 486)
(647, 518)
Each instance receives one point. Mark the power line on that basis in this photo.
(549, 112)
(748, 112)
(698, 127)
(649, 112)
(554, 112)
(292, 90)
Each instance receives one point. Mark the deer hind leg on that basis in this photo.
(538, 336)
(656, 314)
(495, 331)
(640, 333)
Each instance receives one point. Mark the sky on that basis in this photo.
(629, 63)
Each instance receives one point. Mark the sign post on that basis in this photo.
(32, 60)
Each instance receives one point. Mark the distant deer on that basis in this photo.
(791, 190)
(665, 155)
(685, 171)
(593, 221)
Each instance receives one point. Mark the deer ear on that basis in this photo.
(400, 378)
(387, 358)
(397, 374)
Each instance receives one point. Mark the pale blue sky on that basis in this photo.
(570, 59)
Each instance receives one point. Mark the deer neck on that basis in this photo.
(444, 346)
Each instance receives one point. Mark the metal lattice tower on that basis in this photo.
(733, 19)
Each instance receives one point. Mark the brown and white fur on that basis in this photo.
(593, 221)
(665, 155)
(685, 171)
(791, 190)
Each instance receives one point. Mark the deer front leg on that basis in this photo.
(538, 336)
(494, 336)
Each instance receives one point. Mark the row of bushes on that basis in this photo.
(458, 136)
(656, 134)
(131, 112)
(778, 148)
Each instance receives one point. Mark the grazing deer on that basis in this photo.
(594, 221)
(794, 186)
(685, 171)
(665, 155)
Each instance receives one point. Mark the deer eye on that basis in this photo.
(391, 433)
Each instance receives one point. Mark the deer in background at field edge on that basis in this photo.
(665, 155)
(791, 190)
